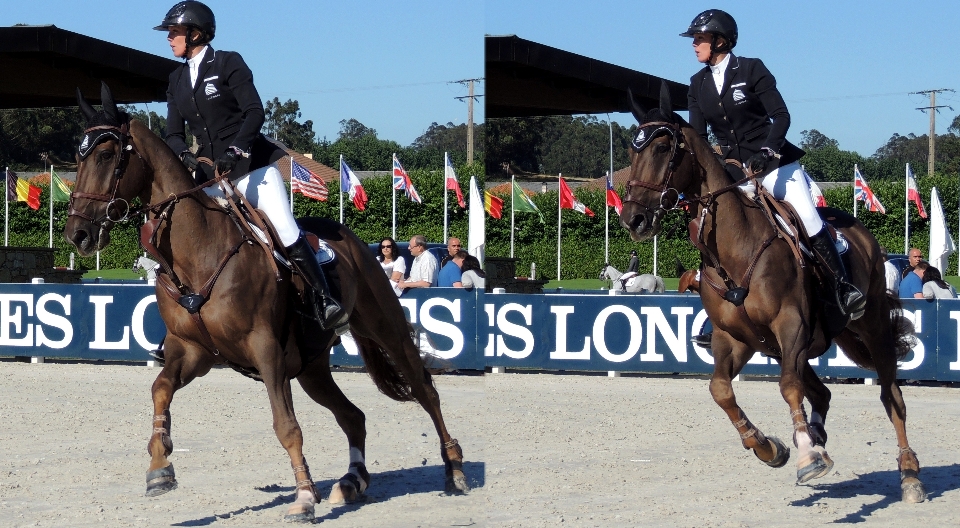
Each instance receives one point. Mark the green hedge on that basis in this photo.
(583, 237)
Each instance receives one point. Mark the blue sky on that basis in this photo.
(387, 64)
(844, 68)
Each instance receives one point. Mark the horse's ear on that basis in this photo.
(85, 108)
(636, 109)
(109, 107)
(666, 105)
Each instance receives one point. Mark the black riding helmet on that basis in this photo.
(715, 22)
(194, 15)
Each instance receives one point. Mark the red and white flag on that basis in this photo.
(613, 199)
(913, 193)
(450, 176)
(401, 181)
(568, 201)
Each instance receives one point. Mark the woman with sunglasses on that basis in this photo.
(390, 260)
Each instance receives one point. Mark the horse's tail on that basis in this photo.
(386, 374)
(901, 329)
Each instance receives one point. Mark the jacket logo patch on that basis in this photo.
(209, 89)
(737, 95)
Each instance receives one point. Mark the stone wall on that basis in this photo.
(22, 264)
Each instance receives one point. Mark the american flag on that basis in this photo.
(401, 181)
(307, 183)
(861, 191)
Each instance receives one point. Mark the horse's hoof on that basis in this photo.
(781, 453)
(457, 483)
(300, 517)
(343, 492)
(913, 491)
(812, 467)
(160, 481)
(302, 510)
(826, 458)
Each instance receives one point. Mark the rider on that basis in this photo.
(213, 93)
(738, 98)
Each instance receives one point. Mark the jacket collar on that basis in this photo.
(205, 65)
(732, 68)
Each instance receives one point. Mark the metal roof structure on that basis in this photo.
(525, 79)
(43, 66)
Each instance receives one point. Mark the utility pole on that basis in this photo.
(933, 130)
(471, 97)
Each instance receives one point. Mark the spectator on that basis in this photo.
(934, 287)
(914, 256)
(423, 269)
(390, 260)
(453, 245)
(634, 265)
(911, 286)
(890, 272)
(472, 276)
(450, 275)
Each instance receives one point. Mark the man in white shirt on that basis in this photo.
(423, 270)
(890, 273)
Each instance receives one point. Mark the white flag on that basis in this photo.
(941, 243)
(476, 229)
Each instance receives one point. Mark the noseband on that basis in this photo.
(122, 135)
(670, 197)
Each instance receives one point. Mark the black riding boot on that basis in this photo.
(326, 309)
(849, 298)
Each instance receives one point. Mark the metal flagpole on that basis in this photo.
(606, 252)
(393, 192)
(291, 184)
(559, 222)
(513, 185)
(655, 254)
(445, 161)
(341, 188)
(606, 225)
(855, 170)
(906, 210)
(51, 202)
(6, 207)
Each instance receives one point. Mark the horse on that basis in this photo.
(760, 297)
(147, 264)
(632, 283)
(689, 279)
(248, 314)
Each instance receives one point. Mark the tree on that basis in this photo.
(26, 134)
(157, 123)
(353, 129)
(954, 127)
(813, 140)
(281, 124)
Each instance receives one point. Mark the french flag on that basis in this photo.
(350, 184)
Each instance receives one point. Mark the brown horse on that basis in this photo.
(250, 319)
(759, 297)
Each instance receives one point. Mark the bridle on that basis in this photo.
(121, 134)
(670, 197)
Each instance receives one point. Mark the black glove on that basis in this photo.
(227, 162)
(189, 160)
(759, 161)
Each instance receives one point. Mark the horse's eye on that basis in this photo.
(105, 155)
(662, 147)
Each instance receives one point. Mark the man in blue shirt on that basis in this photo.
(912, 285)
(450, 273)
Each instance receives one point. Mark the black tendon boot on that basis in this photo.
(326, 309)
(849, 298)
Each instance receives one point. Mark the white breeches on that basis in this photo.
(789, 183)
(264, 189)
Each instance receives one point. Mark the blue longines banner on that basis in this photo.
(460, 329)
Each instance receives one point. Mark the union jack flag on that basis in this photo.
(861, 191)
(401, 181)
(305, 182)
